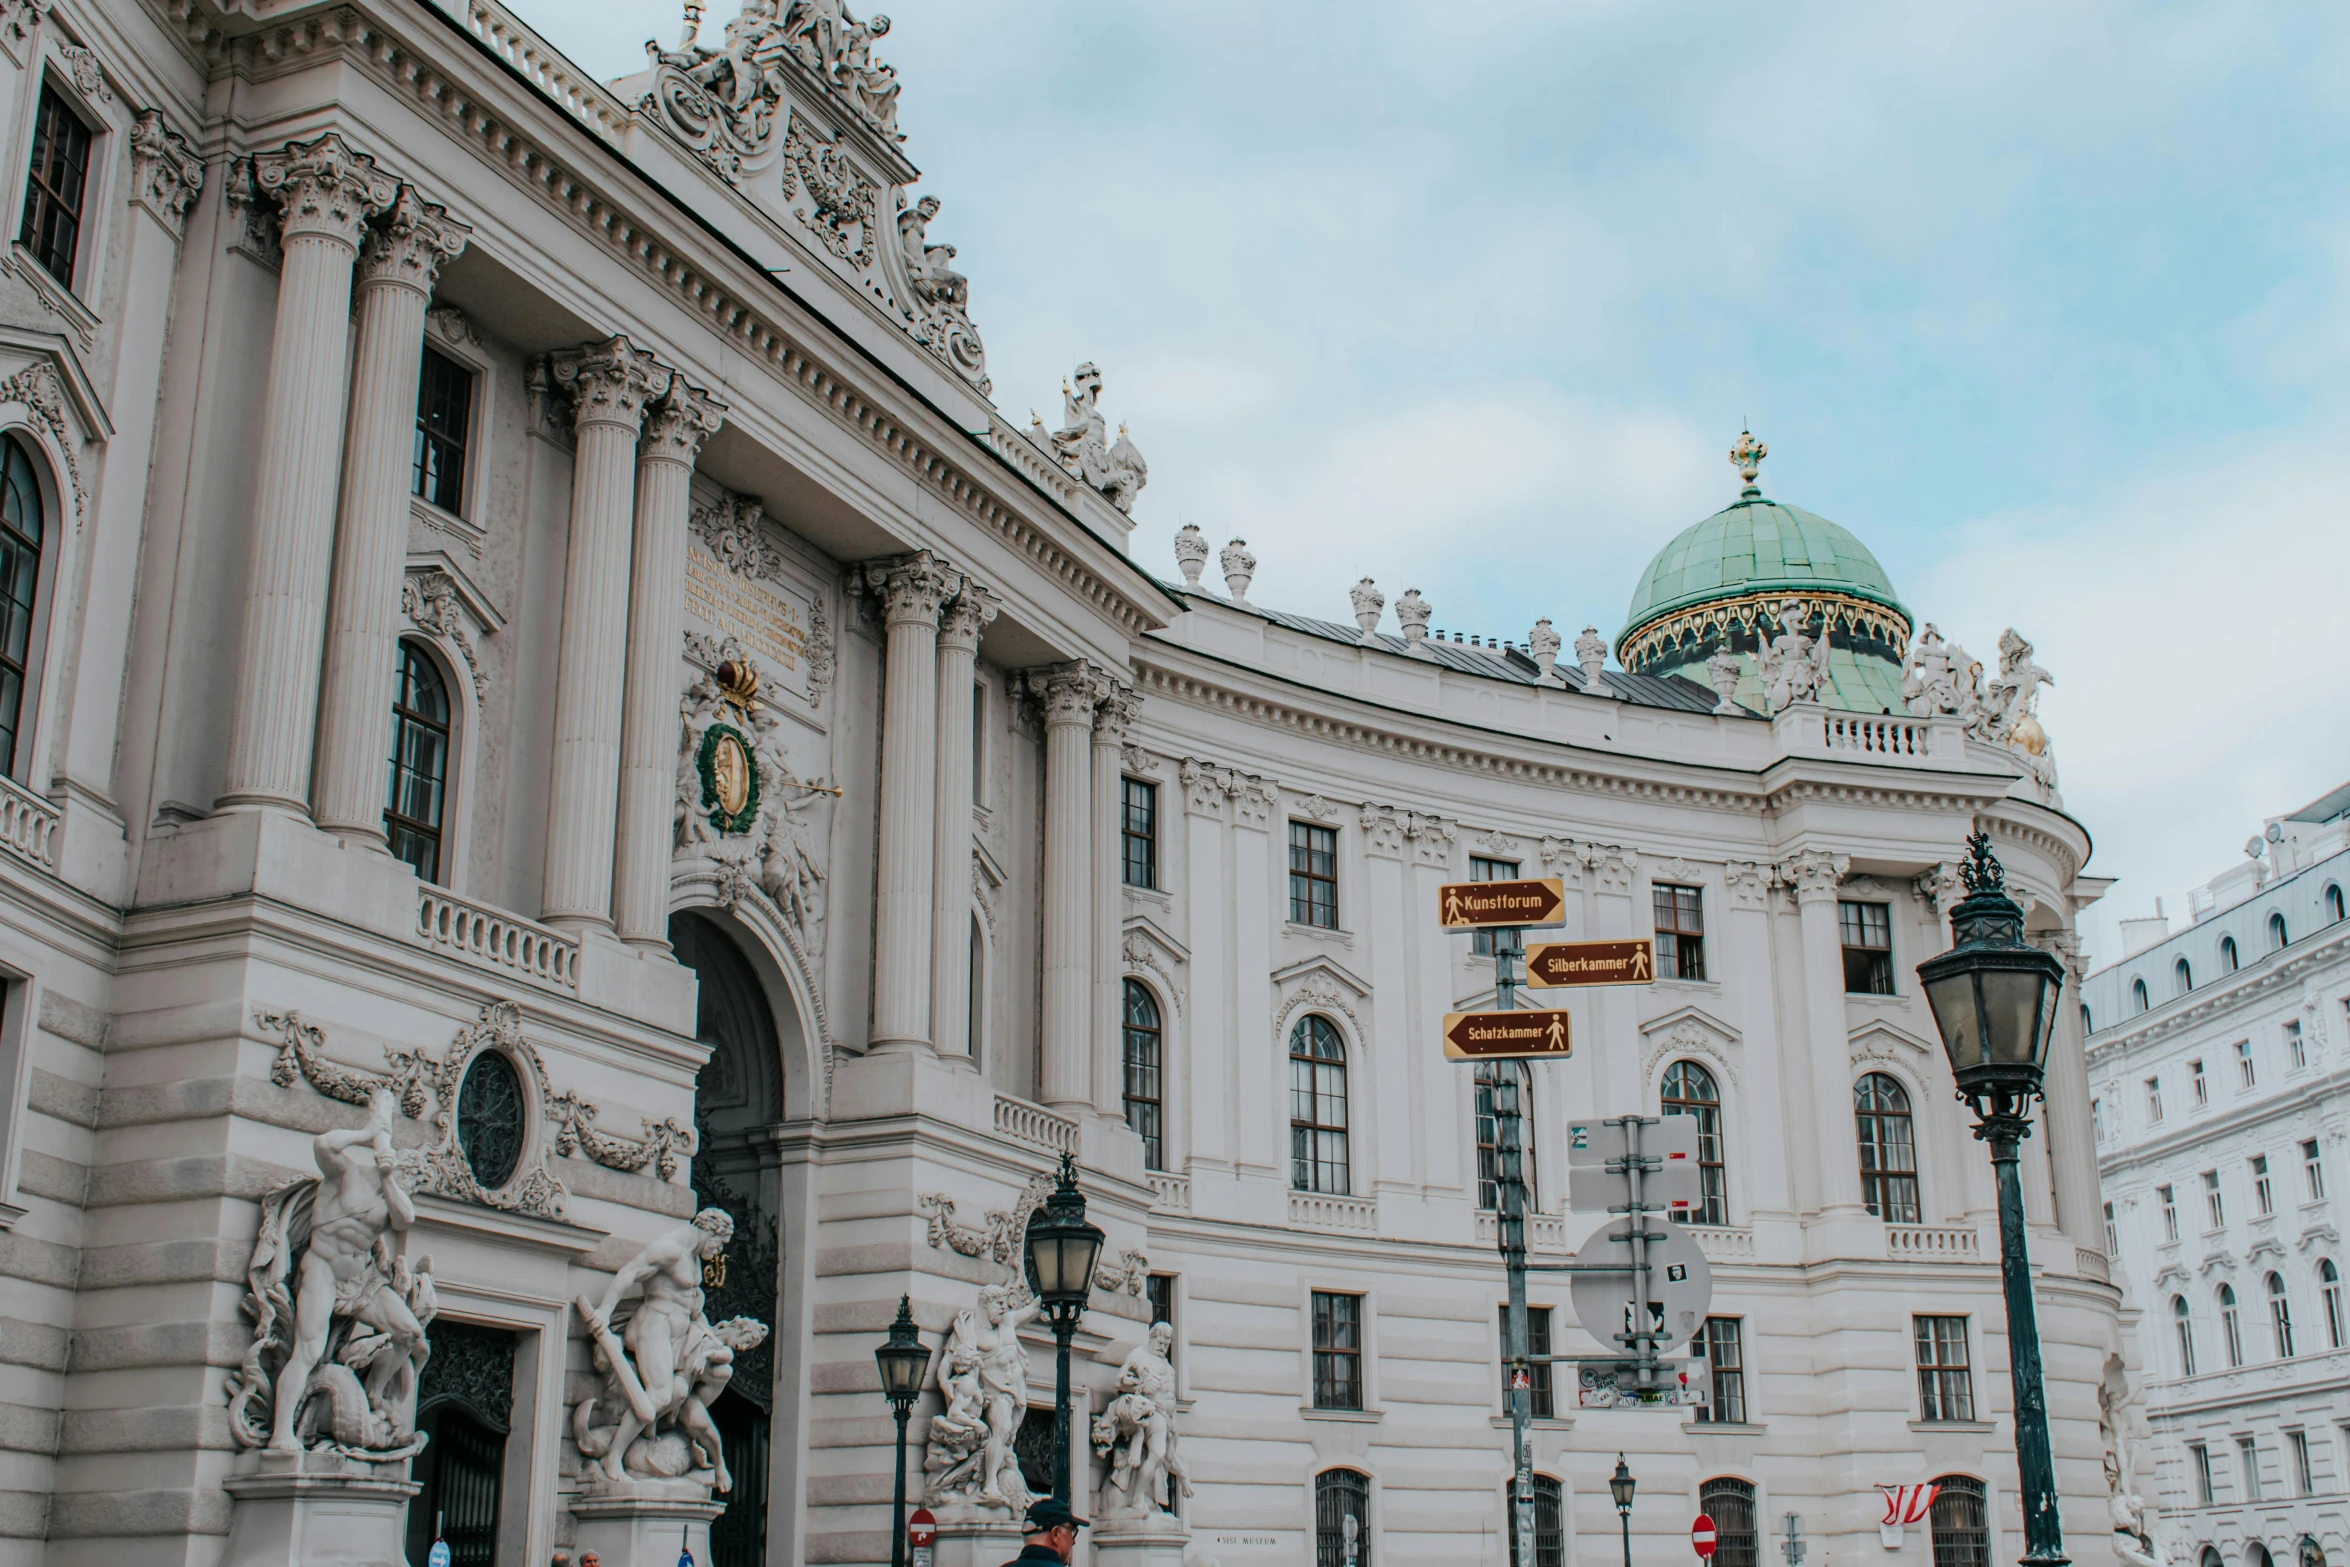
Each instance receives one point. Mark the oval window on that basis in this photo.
(490, 1119)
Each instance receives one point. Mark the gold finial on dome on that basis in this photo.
(1747, 458)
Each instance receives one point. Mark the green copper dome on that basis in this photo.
(1721, 586)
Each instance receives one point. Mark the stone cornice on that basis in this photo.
(2274, 971)
(550, 151)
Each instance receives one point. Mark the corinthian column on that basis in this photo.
(950, 837)
(611, 384)
(1110, 720)
(656, 623)
(1068, 692)
(397, 265)
(328, 192)
(1820, 1128)
(911, 592)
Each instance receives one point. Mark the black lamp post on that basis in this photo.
(902, 1358)
(1994, 1000)
(1061, 1251)
(1620, 1486)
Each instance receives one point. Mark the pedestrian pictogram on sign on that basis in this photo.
(1499, 1036)
(1480, 905)
(1552, 964)
(1701, 1536)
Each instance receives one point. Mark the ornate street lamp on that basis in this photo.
(1994, 1000)
(1620, 1486)
(1061, 1250)
(903, 1359)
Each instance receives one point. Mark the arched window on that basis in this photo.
(1489, 1076)
(2276, 932)
(1888, 1150)
(1961, 1523)
(2182, 977)
(2334, 909)
(2280, 1317)
(1730, 1504)
(2329, 1294)
(1689, 1090)
(1550, 1534)
(1142, 1070)
(976, 1002)
(22, 533)
(2227, 954)
(420, 763)
(2138, 993)
(2088, 1027)
(1317, 1107)
(2183, 1323)
(1340, 1494)
(2229, 1329)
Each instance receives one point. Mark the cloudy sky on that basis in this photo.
(2050, 306)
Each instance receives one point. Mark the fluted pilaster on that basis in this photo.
(911, 591)
(1068, 693)
(1818, 1095)
(950, 875)
(328, 193)
(398, 263)
(611, 383)
(674, 433)
(1111, 717)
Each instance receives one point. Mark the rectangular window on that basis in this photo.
(1483, 869)
(444, 417)
(1867, 930)
(2313, 1171)
(2214, 1209)
(2248, 1461)
(1338, 1351)
(2154, 1099)
(1159, 1290)
(1680, 932)
(2244, 1062)
(2304, 1477)
(56, 187)
(2262, 1198)
(2113, 1240)
(1946, 1387)
(2198, 1082)
(2296, 1048)
(1313, 875)
(1540, 1401)
(1725, 1358)
(1138, 831)
(2170, 1212)
(2204, 1493)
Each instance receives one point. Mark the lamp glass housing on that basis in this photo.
(903, 1358)
(1993, 995)
(1062, 1246)
(1620, 1485)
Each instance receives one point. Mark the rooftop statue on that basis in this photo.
(1083, 447)
(1795, 664)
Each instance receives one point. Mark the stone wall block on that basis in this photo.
(197, 1176)
(34, 1344)
(81, 1515)
(73, 1021)
(25, 1429)
(63, 1099)
(24, 1515)
(167, 1428)
(220, 1344)
(38, 1261)
(222, 1261)
(59, 1180)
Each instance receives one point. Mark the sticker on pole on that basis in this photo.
(438, 1556)
(1552, 964)
(1506, 1036)
(1482, 905)
(1701, 1537)
(922, 1528)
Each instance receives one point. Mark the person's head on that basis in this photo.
(994, 1302)
(717, 1227)
(1052, 1525)
(1162, 1335)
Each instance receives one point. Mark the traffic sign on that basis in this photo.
(1598, 1142)
(1701, 1537)
(1615, 1384)
(1482, 905)
(1610, 1301)
(1506, 1036)
(1551, 965)
(1675, 1185)
(922, 1528)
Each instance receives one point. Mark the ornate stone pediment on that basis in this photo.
(1318, 984)
(63, 414)
(1690, 1031)
(1149, 949)
(1880, 1041)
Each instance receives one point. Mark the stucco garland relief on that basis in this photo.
(1315, 806)
(840, 199)
(41, 390)
(998, 1239)
(1880, 1041)
(1688, 1031)
(1497, 845)
(1678, 870)
(430, 601)
(1150, 949)
(18, 18)
(1138, 761)
(1317, 983)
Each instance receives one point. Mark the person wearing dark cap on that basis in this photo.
(1051, 1531)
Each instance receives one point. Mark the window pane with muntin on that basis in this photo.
(1138, 831)
(1680, 932)
(1143, 1038)
(420, 763)
(55, 187)
(444, 417)
(1317, 1107)
(1313, 875)
(1483, 869)
(1866, 930)
(1338, 1351)
(1689, 1090)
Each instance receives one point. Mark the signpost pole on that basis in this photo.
(1510, 1227)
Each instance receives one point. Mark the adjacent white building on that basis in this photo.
(2219, 1061)
(520, 585)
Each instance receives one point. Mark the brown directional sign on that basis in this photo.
(1505, 1036)
(1550, 964)
(1482, 905)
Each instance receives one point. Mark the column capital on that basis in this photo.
(1204, 787)
(1068, 693)
(2066, 946)
(684, 419)
(1814, 874)
(408, 245)
(610, 382)
(166, 174)
(966, 615)
(1748, 883)
(324, 188)
(911, 588)
(1114, 713)
(1938, 885)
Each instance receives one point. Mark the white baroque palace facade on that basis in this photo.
(2220, 1069)
(804, 823)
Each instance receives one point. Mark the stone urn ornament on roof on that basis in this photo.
(1240, 569)
(1191, 553)
(1368, 602)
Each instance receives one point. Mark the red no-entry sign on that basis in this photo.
(1701, 1536)
(922, 1528)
